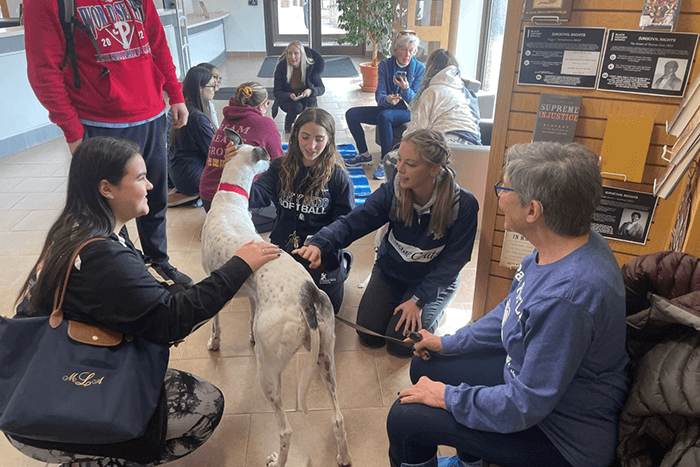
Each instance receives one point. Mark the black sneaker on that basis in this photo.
(169, 271)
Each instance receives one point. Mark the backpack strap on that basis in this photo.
(66, 15)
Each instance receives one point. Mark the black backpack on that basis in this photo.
(66, 15)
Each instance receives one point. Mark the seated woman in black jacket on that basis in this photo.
(110, 285)
(297, 81)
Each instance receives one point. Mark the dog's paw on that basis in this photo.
(272, 460)
(252, 338)
(213, 343)
(344, 461)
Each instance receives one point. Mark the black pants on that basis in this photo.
(415, 430)
(376, 310)
(294, 108)
(150, 137)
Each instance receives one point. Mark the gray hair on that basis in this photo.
(564, 178)
(403, 40)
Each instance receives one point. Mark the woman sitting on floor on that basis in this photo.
(217, 76)
(189, 145)
(246, 115)
(297, 81)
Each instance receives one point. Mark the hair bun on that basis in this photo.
(247, 91)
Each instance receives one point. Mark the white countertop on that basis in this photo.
(192, 20)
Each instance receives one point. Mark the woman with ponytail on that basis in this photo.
(430, 235)
(246, 115)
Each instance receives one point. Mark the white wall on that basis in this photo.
(22, 111)
(245, 27)
(468, 35)
(13, 7)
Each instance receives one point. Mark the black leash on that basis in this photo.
(414, 336)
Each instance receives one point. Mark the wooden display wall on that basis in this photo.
(515, 119)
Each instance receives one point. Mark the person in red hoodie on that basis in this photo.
(246, 115)
(117, 90)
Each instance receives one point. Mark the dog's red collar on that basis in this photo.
(233, 188)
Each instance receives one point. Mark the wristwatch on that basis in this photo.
(419, 303)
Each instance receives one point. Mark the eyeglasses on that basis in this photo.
(406, 32)
(498, 188)
(217, 77)
(209, 86)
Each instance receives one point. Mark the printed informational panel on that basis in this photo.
(647, 62)
(566, 57)
(515, 249)
(624, 215)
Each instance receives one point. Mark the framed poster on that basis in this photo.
(559, 56)
(624, 215)
(547, 10)
(515, 249)
(647, 62)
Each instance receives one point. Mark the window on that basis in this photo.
(493, 29)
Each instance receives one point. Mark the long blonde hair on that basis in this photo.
(304, 63)
(432, 146)
(319, 175)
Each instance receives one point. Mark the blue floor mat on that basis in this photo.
(357, 174)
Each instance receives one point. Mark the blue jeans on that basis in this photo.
(385, 119)
(376, 310)
(415, 430)
(150, 137)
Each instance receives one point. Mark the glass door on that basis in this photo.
(312, 22)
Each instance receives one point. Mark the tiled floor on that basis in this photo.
(32, 192)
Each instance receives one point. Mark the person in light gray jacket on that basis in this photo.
(443, 102)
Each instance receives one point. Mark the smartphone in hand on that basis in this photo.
(400, 74)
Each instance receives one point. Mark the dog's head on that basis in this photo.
(248, 162)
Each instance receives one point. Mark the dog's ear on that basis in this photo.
(232, 136)
(260, 154)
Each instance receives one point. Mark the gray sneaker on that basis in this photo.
(359, 160)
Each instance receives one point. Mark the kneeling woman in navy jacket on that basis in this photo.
(431, 229)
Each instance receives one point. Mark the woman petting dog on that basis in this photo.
(110, 285)
(310, 188)
(431, 230)
(246, 115)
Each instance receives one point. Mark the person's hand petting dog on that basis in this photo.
(310, 253)
(255, 254)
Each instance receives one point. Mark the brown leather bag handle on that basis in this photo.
(93, 334)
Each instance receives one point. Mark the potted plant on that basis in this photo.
(363, 20)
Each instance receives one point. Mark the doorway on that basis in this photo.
(312, 22)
